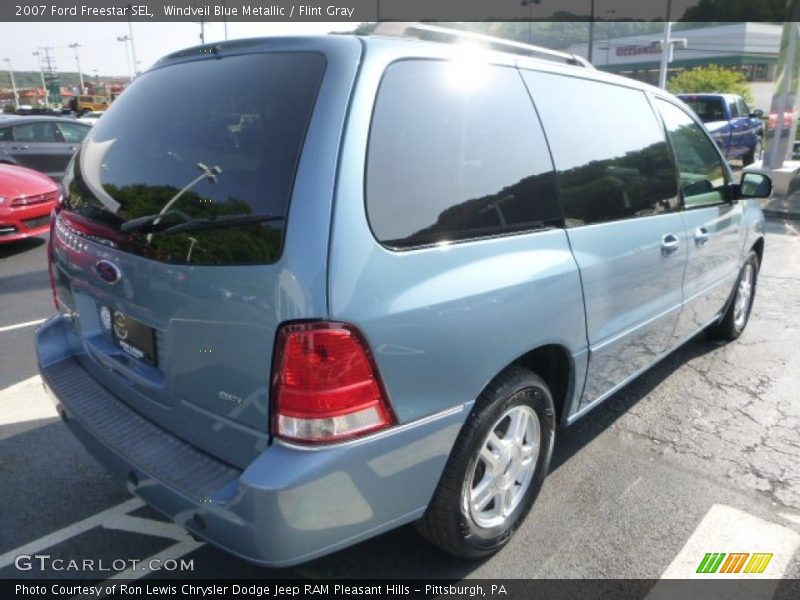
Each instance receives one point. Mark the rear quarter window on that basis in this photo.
(456, 153)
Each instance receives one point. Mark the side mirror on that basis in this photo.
(755, 185)
(757, 114)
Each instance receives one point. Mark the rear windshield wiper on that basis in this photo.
(220, 222)
(156, 222)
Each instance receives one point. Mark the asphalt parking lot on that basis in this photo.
(701, 454)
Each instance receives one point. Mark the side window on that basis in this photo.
(41, 132)
(733, 108)
(609, 149)
(5, 134)
(456, 154)
(72, 133)
(744, 111)
(701, 170)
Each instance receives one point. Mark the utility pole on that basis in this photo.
(13, 83)
(38, 56)
(75, 46)
(124, 39)
(50, 76)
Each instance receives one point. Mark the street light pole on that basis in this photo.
(529, 4)
(75, 46)
(124, 39)
(133, 48)
(591, 30)
(666, 48)
(13, 83)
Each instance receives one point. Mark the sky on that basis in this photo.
(99, 48)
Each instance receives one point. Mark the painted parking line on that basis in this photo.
(728, 530)
(25, 401)
(70, 531)
(146, 527)
(730, 540)
(21, 325)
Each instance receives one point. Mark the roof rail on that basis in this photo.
(435, 33)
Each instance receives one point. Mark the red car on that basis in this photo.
(26, 199)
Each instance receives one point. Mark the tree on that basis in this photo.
(711, 79)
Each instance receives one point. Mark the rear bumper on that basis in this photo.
(290, 505)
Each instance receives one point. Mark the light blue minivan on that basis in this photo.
(312, 289)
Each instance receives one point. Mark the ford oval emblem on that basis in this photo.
(108, 271)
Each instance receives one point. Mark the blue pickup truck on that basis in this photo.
(737, 130)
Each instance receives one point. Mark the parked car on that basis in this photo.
(90, 118)
(27, 110)
(26, 200)
(738, 130)
(377, 302)
(84, 103)
(41, 143)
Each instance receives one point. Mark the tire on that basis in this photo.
(754, 154)
(740, 305)
(451, 521)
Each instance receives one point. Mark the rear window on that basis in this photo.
(708, 109)
(210, 145)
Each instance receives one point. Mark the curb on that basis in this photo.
(777, 214)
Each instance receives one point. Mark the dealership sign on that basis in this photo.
(636, 49)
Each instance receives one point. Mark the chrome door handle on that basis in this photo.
(20, 147)
(700, 236)
(669, 244)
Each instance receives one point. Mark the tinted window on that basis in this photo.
(708, 109)
(5, 134)
(700, 166)
(744, 110)
(733, 109)
(456, 152)
(613, 161)
(72, 132)
(202, 139)
(41, 132)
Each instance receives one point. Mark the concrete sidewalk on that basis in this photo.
(785, 200)
(783, 206)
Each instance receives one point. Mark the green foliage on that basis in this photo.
(737, 10)
(711, 79)
(30, 79)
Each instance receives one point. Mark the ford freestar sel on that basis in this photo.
(311, 289)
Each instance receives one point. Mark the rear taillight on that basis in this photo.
(326, 385)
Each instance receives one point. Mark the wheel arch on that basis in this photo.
(758, 246)
(554, 364)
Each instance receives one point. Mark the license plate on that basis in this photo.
(134, 337)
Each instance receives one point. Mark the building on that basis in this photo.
(751, 48)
